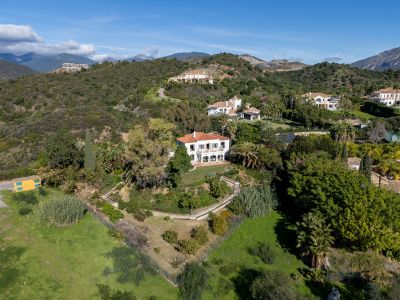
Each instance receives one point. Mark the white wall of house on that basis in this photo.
(207, 151)
(388, 99)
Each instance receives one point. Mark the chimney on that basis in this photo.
(194, 133)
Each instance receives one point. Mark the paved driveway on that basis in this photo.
(6, 185)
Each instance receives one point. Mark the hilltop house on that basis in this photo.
(322, 100)
(194, 76)
(71, 68)
(229, 107)
(387, 96)
(232, 108)
(204, 148)
(250, 113)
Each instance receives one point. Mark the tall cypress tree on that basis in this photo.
(90, 157)
(366, 167)
(345, 155)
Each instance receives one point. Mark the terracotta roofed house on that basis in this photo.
(229, 107)
(323, 100)
(205, 148)
(194, 76)
(387, 96)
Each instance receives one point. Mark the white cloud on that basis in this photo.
(22, 39)
(18, 33)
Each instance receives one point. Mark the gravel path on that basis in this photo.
(2, 204)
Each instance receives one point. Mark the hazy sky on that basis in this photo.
(309, 31)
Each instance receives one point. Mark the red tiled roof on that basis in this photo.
(388, 90)
(252, 110)
(200, 136)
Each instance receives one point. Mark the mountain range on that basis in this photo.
(44, 63)
(276, 65)
(385, 60)
(9, 70)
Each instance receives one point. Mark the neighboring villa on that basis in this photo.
(194, 76)
(205, 148)
(387, 96)
(232, 107)
(71, 68)
(322, 100)
(229, 107)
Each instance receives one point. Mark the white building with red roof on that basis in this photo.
(387, 96)
(229, 107)
(205, 148)
(323, 100)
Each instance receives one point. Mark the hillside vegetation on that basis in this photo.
(10, 70)
(112, 97)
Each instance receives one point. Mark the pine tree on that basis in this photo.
(178, 164)
(366, 167)
(345, 155)
(90, 157)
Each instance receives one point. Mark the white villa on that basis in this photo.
(322, 100)
(387, 96)
(194, 76)
(72, 67)
(225, 107)
(231, 108)
(205, 148)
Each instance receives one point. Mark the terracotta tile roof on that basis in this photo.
(314, 95)
(252, 110)
(200, 136)
(222, 104)
(388, 90)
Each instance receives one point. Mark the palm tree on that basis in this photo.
(314, 238)
(246, 154)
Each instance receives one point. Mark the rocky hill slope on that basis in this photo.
(383, 61)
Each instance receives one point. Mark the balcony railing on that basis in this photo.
(212, 150)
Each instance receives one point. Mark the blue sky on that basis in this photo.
(310, 31)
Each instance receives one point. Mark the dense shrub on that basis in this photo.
(60, 210)
(273, 285)
(192, 281)
(218, 188)
(113, 214)
(106, 293)
(254, 202)
(265, 252)
(218, 224)
(379, 110)
(29, 197)
(190, 246)
(170, 236)
(25, 210)
(200, 234)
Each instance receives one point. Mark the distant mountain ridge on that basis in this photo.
(276, 65)
(385, 60)
(44, 63)
(188, 56)
(9, 70)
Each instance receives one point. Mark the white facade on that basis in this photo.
(195, 76)
(71, 67)
(322, 100)
(225, 107)
(388, 97)
(205, 148)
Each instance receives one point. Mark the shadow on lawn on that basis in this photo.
(9, 273)
(243, 282)
(286, 236)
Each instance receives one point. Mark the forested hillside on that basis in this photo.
(10, 70)
(119, 95)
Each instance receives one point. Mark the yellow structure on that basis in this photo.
(26, 184)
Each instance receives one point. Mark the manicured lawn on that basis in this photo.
(232, 257)
(39, 262)
(198, 176)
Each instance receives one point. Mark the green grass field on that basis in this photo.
(232, 257)
(198, 176)
(39, 262)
